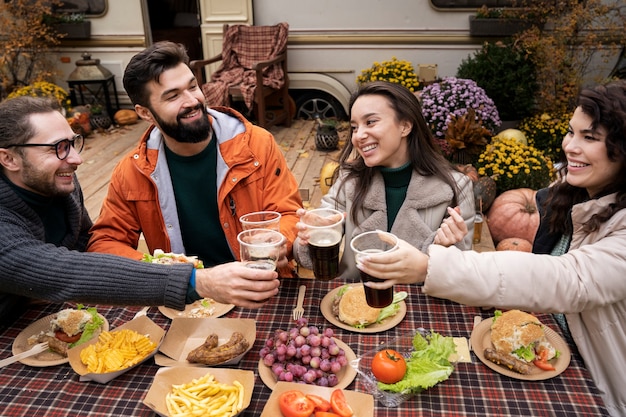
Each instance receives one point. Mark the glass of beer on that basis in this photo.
(478, 227)
(261, 220)
(325, 233)
(260, 248)
(370, 243)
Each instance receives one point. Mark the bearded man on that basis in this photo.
(194, 172)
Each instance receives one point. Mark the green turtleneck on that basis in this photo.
(396, 183)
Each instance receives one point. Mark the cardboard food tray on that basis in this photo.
(362, 404)
(142, 325)
(166, 377)
(186, 334)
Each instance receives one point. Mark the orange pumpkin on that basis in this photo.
(515, 243)
(514, 214)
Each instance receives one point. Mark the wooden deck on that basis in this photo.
(103, 150)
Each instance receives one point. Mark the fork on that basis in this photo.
(142, 312)
(298, 312)
(38, 348)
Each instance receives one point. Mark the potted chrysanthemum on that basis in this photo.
(44, 89)
(512, 165)
(453, 97)
(545, 132)
(394, 71)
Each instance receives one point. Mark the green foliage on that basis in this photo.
(507, 74)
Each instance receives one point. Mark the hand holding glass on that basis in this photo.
(325, 228)
(370, 243)
(260, 248)
(261, 220)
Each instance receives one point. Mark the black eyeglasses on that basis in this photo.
(62, 147)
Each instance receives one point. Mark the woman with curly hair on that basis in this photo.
(579, 265)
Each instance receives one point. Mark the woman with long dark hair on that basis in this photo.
(393, 177)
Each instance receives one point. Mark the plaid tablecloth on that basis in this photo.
(472, 390)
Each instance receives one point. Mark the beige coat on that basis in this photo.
(588, 284)
(417, 220)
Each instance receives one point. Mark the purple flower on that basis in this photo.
(454, 96)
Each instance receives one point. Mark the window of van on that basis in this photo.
(470, 4)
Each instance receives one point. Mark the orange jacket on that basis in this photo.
(254, 177)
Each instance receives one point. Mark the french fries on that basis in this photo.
(205, 397)
(116, 350)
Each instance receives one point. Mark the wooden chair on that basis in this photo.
(254, 70)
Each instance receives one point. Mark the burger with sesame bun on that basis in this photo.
(69, 328)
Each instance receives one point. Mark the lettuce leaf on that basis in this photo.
(427, 365)
(91, 327)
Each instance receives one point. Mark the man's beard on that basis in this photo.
(40, 182)
(186, 132)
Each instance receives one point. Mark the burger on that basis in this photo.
(351, 308)
(519, 339)
(69, 327)
(168, 258)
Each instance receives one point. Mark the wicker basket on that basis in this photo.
(326, 138)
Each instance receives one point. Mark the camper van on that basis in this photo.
(330, 41)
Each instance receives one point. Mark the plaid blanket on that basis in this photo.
(244, 46)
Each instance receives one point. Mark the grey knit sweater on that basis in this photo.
(32, 268)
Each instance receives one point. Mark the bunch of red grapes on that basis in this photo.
(304, 354)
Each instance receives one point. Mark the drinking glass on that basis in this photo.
(369, 243)
(260, 248)
(478, 227)
(325, 233)
(261, 220)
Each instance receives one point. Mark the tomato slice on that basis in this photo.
(321, 404)
(64, 337)
(294, 403)
(325, 414)
(339, 404)
(541, 361)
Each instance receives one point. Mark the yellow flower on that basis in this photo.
(43, 89)
(546, 132)
(514, 165)
(394, 71)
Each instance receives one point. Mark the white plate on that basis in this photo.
(219, 310)
(481, 339)
(47, 358)
(390, 322)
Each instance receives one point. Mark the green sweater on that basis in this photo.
(396, 183)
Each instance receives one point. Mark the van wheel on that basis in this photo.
(318, 104)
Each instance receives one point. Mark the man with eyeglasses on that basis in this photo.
(195, 171)
(44, 226)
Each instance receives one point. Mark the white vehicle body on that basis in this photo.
(330, 41)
